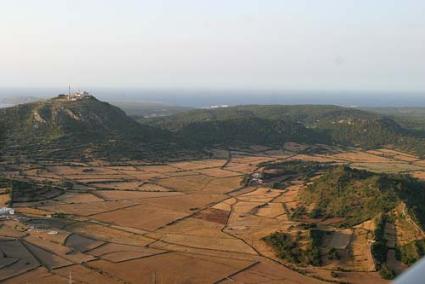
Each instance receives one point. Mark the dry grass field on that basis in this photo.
(183, 222)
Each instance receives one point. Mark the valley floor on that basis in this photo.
(184, 222)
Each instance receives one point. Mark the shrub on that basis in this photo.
(289, 248)
(299, 212)
(333, 254)
(386, 272)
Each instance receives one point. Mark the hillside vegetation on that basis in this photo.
(352, 213)
(358, 195)
(275, 125)
(59, 128)
(86, 127)
(408, 117)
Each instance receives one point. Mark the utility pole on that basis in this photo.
(69, 92)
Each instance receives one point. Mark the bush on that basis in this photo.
(285, 247)
(386, 272)
(334, 274)
(411, 252)
(298, 212)
(59, 215)
(315, 213)
(314, 257)
(333, 254)
(289, 248)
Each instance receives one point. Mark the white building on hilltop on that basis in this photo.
(7, 211)
(74, 96)
(78, 95)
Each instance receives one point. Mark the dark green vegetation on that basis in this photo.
(358, 195)
(380, 249)
(274, 125)
(280, 174)
(290, 248)
(305, 168)
(316, 237)
(87, 128)
(5, 188)
(27, 191)
(285, 246)
(411, 252)
(350, 197)
(298, 213)
(408, 117)
(386, 272)
(245, 132)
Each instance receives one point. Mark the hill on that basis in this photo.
(394, 202)
(358, 195)
(408, 117)
(344, 214)
(66, 129)
(62, 128)
(275, 125)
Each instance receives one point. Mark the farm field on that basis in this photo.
(182, 222)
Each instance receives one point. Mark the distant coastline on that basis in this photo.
(204, 98)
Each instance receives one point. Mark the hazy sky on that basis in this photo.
(244, 44)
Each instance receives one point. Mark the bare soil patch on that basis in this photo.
(213, 215)
(81, 243)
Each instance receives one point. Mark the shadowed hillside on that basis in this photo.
(275, 125)
(88, 128)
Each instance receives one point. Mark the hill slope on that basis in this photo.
(62, 128)
(275, 125)
(345, 217)
(358, 195)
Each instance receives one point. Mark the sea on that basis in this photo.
(200, 98)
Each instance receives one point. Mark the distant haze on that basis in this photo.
(209, 97)
(303, 45)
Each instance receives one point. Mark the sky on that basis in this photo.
(352, 45)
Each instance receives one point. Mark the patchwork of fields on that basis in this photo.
(184, 222)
